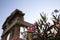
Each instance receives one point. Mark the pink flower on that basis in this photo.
(58, 25)
(36, 24)
(59, 22)
(56, 10)
(47, 24)
(14, 38)
(56, 21)
(30, 29)
(35, 36)
(33, 27)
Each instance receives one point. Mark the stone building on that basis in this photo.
(13, 23)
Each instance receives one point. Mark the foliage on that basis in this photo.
(45, 31)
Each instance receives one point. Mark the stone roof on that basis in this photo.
(13, 14)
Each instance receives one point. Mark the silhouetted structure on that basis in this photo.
(13, 23)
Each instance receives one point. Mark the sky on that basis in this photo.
(31, 8)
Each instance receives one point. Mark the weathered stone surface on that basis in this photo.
(13, 23)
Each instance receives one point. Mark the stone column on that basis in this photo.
(4, 37)
(14, 31)
(11, 33)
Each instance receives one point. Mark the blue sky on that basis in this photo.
(31, 8)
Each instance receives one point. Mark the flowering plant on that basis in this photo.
(43, 30)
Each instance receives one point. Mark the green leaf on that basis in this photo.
(38, 21)
(54, 16)
(43, 17)
(40, 26)
(41, 21)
